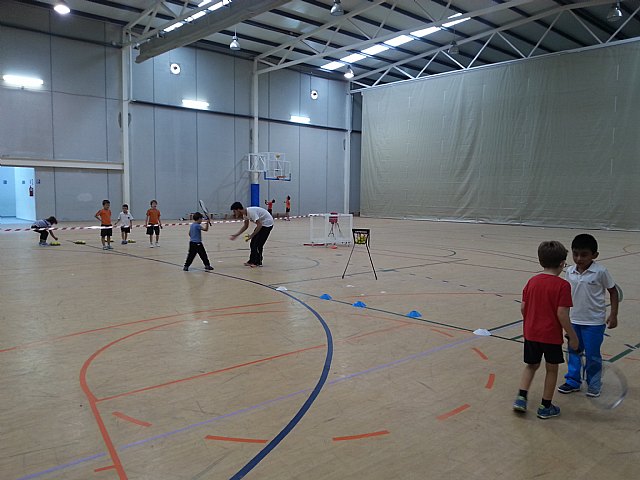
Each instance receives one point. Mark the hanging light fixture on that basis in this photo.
(349, 73)
(336, 9)
(453, 48)
(615, 13)
(61, 7)
(235, 44)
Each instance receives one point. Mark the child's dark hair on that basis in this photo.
(584, 241)
(236, 206)
(52, 220)
(104, 202)
(551, 254)
(124, 205)
(197, 216)
(153, 201)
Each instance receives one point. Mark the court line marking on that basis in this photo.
(127, 418)
(362, 435)
(235, 439)
(480, 354)
(453, 412)
(490, 381)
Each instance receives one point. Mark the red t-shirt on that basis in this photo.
(542, 295)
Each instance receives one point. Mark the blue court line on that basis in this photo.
(259, 405)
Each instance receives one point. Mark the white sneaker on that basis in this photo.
(151, 245)
(157, 244)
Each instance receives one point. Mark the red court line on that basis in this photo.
(368, 315)
(62, 337)
(362, 435)
(110, 467)
(480, 354)
(131, 419)
(446, 334)
(453, 412)
(234, 439)
(490, 381)
(374, 332)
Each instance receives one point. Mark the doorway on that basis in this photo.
(17, 195)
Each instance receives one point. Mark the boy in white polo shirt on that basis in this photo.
(589, 281)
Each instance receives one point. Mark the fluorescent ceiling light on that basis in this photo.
(354, 57)
(61, 7)
(455, 22)
(23, 81)
(377, 48)
(298, 119)
(195, 104)
(394, 42)
(425, 31)
(173, 27)
(332, 65)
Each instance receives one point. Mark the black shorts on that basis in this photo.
(533, 352)
(106, 232)
(151, 229)
(288, 210)
(125, 229)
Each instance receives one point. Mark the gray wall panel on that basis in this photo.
(242, 86)
(76, 26)
(113, 71)
(337, 94)
(354, 173)
(7, 192)
(25, 53)
(171, 89)
(335, 171)
(114, 153)
(317, 110)
(284, 99)
(80, 127)
(142, 85)
(114, 187)
(27, 131)
(24, 15)
(176, 162)
(45, 192)
(79, 193)
(143, 179)
(77, 68)
(242, 147)
(313, 170)
(263, 96)
(215, 80)
(216, 155)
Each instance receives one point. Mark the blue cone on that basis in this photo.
(325, 296)
(360, 305)
(414, 314)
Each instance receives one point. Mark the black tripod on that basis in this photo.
(361, 236)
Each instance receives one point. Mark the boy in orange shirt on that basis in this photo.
(153, 222)
(104, 216)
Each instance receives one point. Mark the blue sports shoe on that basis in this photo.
(568, 388)
(593, 392)
(520, 405)
(544, 412)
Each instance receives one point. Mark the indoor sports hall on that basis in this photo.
(382, 336)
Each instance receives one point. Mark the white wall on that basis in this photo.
(25, 204)
(7, 192)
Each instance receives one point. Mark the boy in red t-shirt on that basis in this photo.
(104, 216)
(546, 300)
(153, 222)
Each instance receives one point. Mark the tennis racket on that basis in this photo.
(205, 211)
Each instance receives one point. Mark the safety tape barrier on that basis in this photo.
(99, 227)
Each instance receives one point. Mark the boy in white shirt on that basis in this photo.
(264, 224)
(589, 281)
(125, 217)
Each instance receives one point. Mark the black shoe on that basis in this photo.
(186, 269)
(208, 267)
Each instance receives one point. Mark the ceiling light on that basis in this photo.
(400, 40)
(349, 73)
(23, 81)
(377, 48)
(235, 44)
(453, 48)
(354, 57)
(200, 105)
(332, 65)
(615, 13)
(336, 9)
(61, 7)
(299, 119)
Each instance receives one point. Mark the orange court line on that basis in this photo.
(84, 332)
(368, 315)
(480, 354)
(362, 435)
(131, 419)
(394, 327)
(234, 439)
(446, 334)
(453, 412)
(490, 381)
(102, 469)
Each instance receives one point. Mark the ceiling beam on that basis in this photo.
(236, 12)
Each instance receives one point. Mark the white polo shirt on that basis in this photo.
(588, 291)
(258, 213)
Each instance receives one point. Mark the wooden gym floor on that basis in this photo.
(117, 364)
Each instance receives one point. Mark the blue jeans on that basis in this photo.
(591, 337)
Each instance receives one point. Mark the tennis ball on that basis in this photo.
(80, 242)
(246, 237)
(54, 244)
